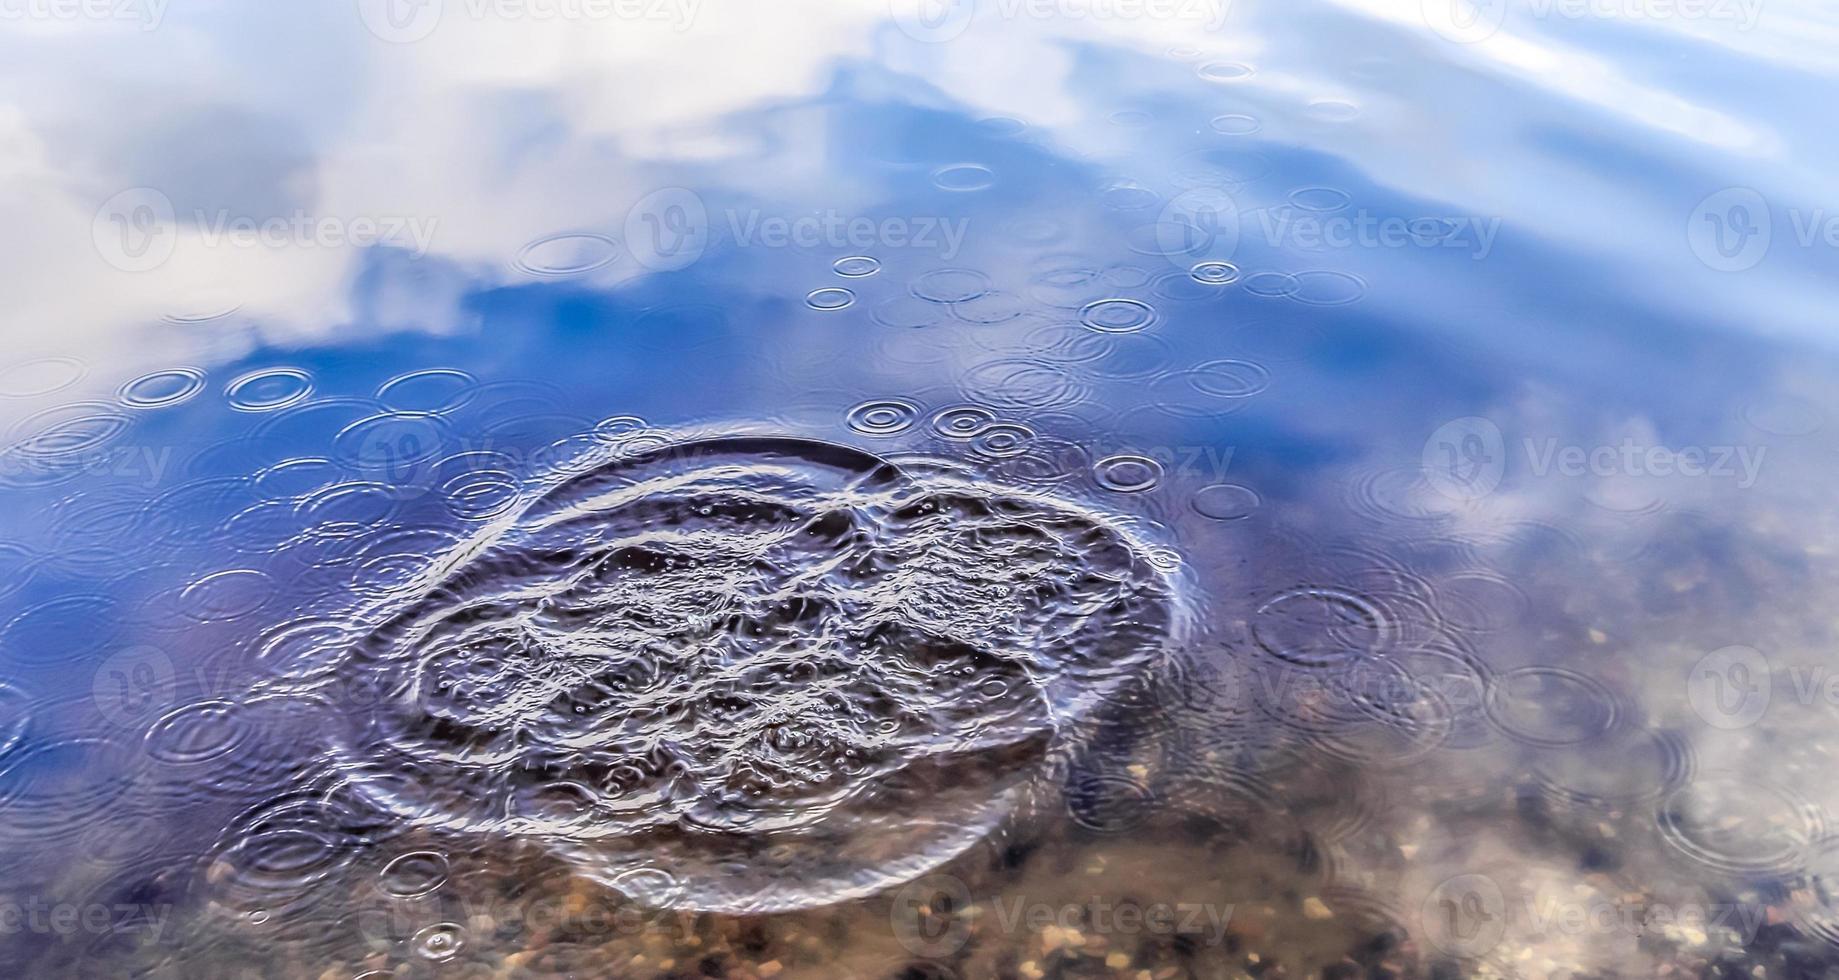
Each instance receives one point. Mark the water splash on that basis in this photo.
(790, 671)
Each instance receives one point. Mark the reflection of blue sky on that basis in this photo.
(1589, 143)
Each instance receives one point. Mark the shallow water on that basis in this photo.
(876, 490)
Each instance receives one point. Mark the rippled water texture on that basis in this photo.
(874, 489)
(751, 663)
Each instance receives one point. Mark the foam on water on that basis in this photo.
(790, 672)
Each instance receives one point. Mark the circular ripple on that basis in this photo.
(59, 630)
(1321, 288)
(1228, 378)
(560, 256)
(1002, 440)
(829, 298)
(1118, 315)
(1322, 199)
(1227, 502)
(1128, 473)
(883, 418)
(1333, 110)
(1552, 706)
(54, 789)
(162, 388)
(964, 177)
(1215, 273)
(962, 421)
(1224, 71)
(906, 312)
(43, 376)
(1271, 284)
(16, 708)
(1319, 627)
(951, 285)
(414, 874)
(435, 390)
(1023, 383)
(758, 662)
(283, 858)
(440, 942)
(269, 389)
(856, 266)
(1736, 823)
(198, 732)
(1236, 124)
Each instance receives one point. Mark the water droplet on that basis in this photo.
(1215, 273)
(883, 418)
(962, 421)
(1118, 315)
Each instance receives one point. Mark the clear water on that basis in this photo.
(1321, 489)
